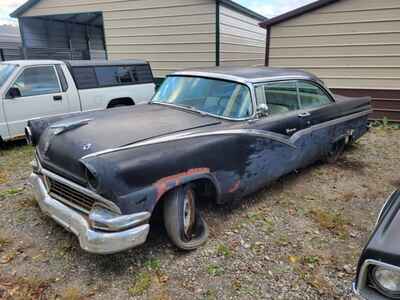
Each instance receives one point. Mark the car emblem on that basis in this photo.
(86, 147)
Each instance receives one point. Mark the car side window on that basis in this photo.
(281, 97)
(311, 95)
(36, 81)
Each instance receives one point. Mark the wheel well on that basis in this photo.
(204, 188)
(120, 101)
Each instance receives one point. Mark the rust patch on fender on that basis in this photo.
(234, 187)
(163, 184)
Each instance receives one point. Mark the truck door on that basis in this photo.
(37, 92)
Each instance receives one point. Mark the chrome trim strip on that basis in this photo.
(81, 189)
(383, 207)
(203, 112)
(259, 133)
(307, 130)
(177, 137)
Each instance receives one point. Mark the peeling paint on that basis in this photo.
(164, 184)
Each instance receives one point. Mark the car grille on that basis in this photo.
(69, 196)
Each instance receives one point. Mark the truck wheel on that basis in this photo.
(336, 151)
(185, 226)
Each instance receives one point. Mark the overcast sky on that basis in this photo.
(268, 8)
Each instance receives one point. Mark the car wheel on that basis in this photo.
(185, 226)
(336, 151)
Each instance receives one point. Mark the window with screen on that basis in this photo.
(311, 95)
(37, 81)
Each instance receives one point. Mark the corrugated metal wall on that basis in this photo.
(10, 47)
(173, 34)
(242, 40)
(351, 45)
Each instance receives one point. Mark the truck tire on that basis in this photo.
(185, 226)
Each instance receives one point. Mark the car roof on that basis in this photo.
(249, 74)
(85, 63)
(77, 63)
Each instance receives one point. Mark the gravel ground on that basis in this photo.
(299, 238)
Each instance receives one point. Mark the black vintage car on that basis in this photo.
(219, 133)
(378, 271)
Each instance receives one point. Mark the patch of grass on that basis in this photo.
(215, 270)
(223, 250)
(331, 221)
(10, 192)
(141, 285)
(4, 241)
(3, 177)
(72, 293)
(153, 264)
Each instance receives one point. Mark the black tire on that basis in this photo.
(185, 226)
(336, 151)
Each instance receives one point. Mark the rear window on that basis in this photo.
(105, 76)
(85, 77)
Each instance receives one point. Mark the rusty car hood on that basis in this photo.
(64, 143)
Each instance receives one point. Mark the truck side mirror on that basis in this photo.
(13, 92)
(262, 110)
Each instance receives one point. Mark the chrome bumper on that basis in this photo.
(90, 240)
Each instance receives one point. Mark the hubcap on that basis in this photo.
(188, 213)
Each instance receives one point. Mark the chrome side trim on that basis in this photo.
(383, 207)
(81, 189)
(253, 132)
(177, 137)
(307, 130)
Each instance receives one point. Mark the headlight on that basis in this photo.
(386, 281)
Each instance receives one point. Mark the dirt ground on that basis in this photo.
(299, 238)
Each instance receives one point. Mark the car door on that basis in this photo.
(283, 104)
(36, 92)
(317, 107)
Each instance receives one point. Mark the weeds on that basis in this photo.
(214, 270)
(223, 250)
(333, 222)
(141, 285)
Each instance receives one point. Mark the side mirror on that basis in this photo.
(13, 92)
(262, 110)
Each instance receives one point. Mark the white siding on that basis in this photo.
(242, 40)
(349, 44)
(171, 34)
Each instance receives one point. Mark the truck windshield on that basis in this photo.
(5, 72)
(217, 97)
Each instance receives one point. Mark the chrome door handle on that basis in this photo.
(290, 130)
(304, 114)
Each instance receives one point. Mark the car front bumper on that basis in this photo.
(91, 240)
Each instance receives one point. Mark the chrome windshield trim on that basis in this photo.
(188, 135)
(81, 189)
(383, 207)
(203, 112)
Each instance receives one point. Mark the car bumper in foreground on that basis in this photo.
(91, 240)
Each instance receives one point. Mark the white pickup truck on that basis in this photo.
(32, 89)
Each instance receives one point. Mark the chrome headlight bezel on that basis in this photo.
(376, 281)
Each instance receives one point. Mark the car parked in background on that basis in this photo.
(219, 133)
(40, 88)
(378, 271)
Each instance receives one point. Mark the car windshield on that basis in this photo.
(5, 72)
(217, 97)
